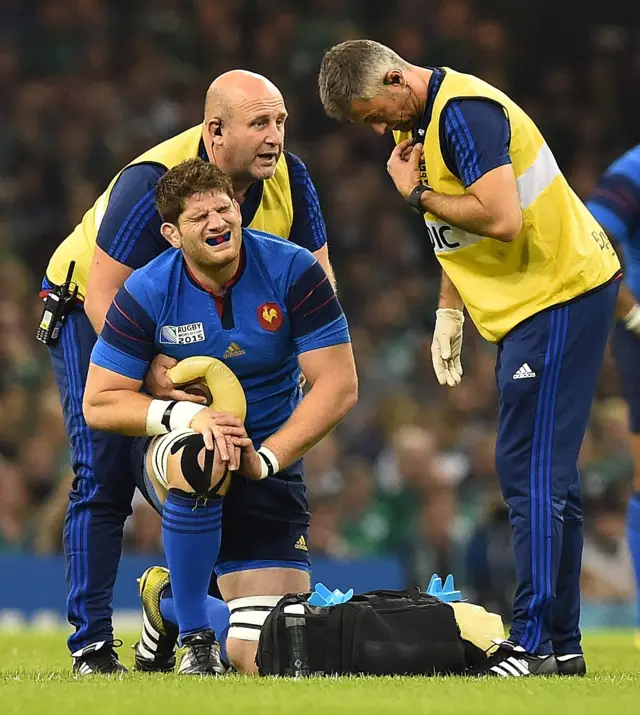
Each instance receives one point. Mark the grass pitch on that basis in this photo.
(35, 679)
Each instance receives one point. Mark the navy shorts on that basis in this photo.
(626, 350)
(264, 524)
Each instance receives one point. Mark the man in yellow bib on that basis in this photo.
(243, 133)
(536, 274)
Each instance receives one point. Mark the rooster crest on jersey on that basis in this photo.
(270, 317)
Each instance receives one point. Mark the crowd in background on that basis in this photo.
(89, 84)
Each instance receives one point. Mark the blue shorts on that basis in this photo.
(264, 524)
(626, 350)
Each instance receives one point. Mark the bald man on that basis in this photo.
(243, 133)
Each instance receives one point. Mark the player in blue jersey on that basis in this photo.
(272, 301)
(243, 132)
(616, 205)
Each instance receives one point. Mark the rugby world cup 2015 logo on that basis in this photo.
(182, 334)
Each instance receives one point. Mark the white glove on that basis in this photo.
(446, 346)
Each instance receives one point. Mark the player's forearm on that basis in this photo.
(468, 213)
(322, 256)
(449, 296)
(326, 403)
(96, 306)
(332, 277)
(120, 411)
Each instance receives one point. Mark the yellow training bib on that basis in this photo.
(561, 251)
(274, 214)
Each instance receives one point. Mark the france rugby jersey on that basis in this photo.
(280, 304)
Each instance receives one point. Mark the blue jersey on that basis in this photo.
(474, 133)
(616, 205)
(130, 229)
(280, 304)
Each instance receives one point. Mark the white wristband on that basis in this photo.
(632, 318)
(156, 411)
(164, 416)
(269, 461)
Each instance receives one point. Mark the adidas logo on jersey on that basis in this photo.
(301, 544)
(234, 350)
(523, 371)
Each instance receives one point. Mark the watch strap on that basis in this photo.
(414, 197)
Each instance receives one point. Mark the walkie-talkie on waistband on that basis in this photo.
(56, 306)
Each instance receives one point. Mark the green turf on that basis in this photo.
(36, 679)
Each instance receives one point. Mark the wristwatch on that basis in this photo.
(414, 197)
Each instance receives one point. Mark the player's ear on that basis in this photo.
(395, 78)
(171, 234)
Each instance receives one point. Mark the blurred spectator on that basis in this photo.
(14, 502)
(325, 482)
(490, 567)
(89, 84)
(413, 485)
(142, 532)
(606, 566)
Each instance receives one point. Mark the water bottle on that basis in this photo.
(296, 625)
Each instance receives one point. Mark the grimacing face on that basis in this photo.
(253, 139)
(209, 230)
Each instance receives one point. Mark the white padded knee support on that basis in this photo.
(247, 616)
(161, 449)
